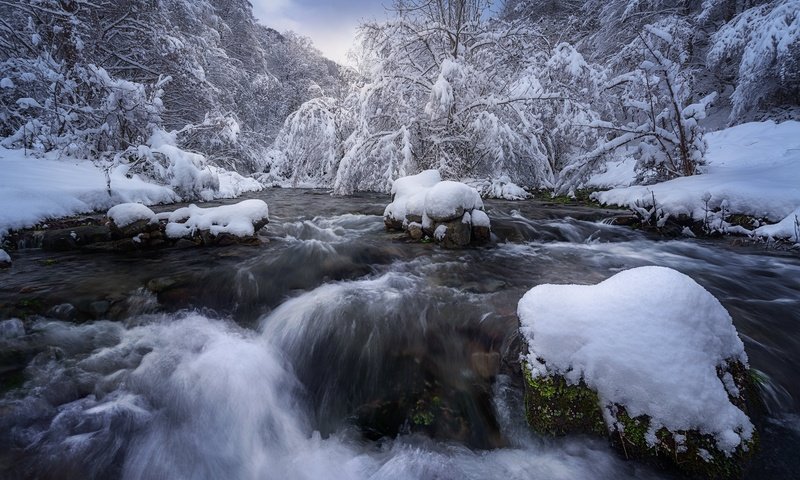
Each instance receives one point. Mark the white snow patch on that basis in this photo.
(408, 194)
(788, 228)
(753, 169)
(35, 189)
(4, 257)
(235, 219)
(440, 232)
(650, 339)
(447, 200)
(127, 213)
(480, 219)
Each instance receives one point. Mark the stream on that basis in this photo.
(336, 350)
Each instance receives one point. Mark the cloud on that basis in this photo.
(330, 24)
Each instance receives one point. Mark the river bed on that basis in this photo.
(337, 350)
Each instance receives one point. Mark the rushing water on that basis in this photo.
(336, 350)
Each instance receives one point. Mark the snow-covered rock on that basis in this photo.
(239, 220)
(5, 259)
(125, 214)
(135, 226)
(649, 356)
(448, 200)
(423, 205)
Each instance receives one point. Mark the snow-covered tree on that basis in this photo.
(760, 48)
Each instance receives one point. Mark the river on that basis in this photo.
(337, 350)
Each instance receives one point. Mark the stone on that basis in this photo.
(11, 328)
(554, 407)
(392, 224)
(415, 231)
(457, 235)
(64, 311)
(481, 234)
(485, 364)
(132, 229)
(99, 308)
(73, 238)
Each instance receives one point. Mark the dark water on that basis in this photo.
(336, 350)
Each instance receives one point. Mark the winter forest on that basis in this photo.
(517, 239)
(543, 93)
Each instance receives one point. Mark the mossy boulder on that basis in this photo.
(647, 358)
(555, 407)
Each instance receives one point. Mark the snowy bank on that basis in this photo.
(753, 169)
(451, 213)
(658, 350)
(33, 189)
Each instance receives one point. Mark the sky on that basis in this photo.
(331, 24)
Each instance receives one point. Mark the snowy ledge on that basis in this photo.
(34, 189)
(753, 170)
(648, 355)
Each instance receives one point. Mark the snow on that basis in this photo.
(34, 189)
(650, 339)
(788, 228)
(501, 187)
(440, 232)
(4, 257)
(237, 219)
(753, 169)
(480, 219)
(409, 194)
(448, 200)
(125, 214)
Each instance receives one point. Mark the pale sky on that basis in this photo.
(330, 24)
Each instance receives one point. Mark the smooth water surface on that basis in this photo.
(337, 350)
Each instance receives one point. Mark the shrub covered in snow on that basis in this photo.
(449, 212)
(649, 357)
(501, 187)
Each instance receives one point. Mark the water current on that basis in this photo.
(335, 350)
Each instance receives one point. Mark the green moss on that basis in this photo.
(552, 406)
(48, 262)
(695, 455)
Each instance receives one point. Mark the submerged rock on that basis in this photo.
(647, 358)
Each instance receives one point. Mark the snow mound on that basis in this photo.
(125, 214)
(649, 339)
(5, 258)
(408, 195)
(753, 169)
(448, 200)
(240, 220)
(788, 228)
